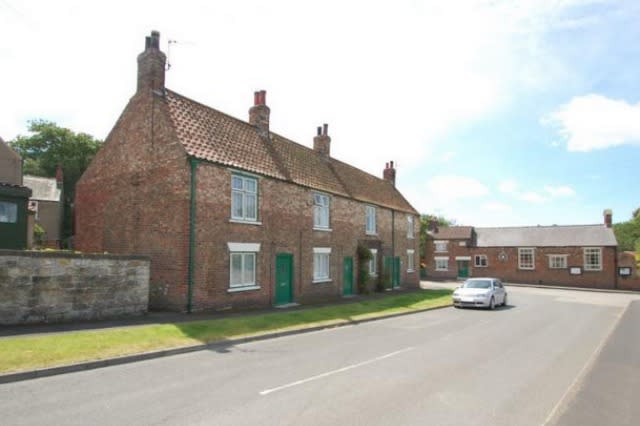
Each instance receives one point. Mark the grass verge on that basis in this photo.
(26, 353)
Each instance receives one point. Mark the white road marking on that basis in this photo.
(330, 373)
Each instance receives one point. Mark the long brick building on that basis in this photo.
(233, 214)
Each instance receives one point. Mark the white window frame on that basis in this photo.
(370, 220)
(321, 211)
(321, 264)
(411, 262)
(478, 261)
(523, 251)
(245, 194)
(439, 263)
(439, 244)
(558, 261)
(9, 212)
(247, 254)
(410, 228)
(373, 263)
(588, 265)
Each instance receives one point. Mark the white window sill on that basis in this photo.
(592, 270)
(245, 222)
(239, 289)
(323, 280)
(410, 271)
(373, 275)
(410, 238)
(315, 228)
(442, 270)
(527, 269)
(371, 234)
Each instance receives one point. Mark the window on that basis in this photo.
(411, 262)
(410, 231)
(592, 259)
(321, 264)
(442, 263)
(371, 220)
(244, 198)
(558, 261)
(243, 260)
(481, 261)
(526, 258)
(8, 212)
(441, 246)
(320, 211)
(373, 263)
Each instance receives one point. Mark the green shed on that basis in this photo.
(14, 201)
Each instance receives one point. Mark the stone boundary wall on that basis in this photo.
(47, 287)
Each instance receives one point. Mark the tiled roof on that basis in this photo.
(211, 135)
(453, 233)
(44, 189)
(546, 236)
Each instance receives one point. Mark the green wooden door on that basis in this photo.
(463, 268)
(396, 272)
(284, 278)
(347, 276)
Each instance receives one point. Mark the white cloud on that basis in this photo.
(531, 197)
(508, 186)
(594, 121)
(560, 191)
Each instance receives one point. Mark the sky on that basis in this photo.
(495, 113)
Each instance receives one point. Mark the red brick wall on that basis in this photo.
(632, 282)
(454, 249)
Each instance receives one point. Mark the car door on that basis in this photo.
(499, 292)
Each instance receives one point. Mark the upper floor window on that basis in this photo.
(558, 261)
(321, 211)
(244, 198)
(410, 231)
(441, 246)
(8, 212)
(592, 259)
(481, 261)
(370, 220)
(526, 258)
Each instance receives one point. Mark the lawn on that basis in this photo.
(33, 352)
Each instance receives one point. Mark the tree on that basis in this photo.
(427, 223)
(628, 233)
(49, 146)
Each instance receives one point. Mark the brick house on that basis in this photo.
(47, 205)
(14, 198)
(575, 255)
(232, 214)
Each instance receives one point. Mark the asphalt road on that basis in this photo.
(552, 357)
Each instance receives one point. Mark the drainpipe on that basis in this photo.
(192, 233)
(393, 248)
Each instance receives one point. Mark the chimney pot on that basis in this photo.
(322, 142)
(325, 129)
(319, 131)
(389, 173)
(259, 113)
(151, 65)
(608, 218)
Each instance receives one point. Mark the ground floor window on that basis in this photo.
(411, 262)
(526, 258)
(321, 264)
(243, 259)
(442, 263)
(8, 212)
(592, 259)
(373, 263)
(481, 261)
(558, 261)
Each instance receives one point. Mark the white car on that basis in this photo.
(481, 293)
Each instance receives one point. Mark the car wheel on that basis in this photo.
(504, 301)
(492, 303)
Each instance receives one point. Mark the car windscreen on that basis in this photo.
(477, 284)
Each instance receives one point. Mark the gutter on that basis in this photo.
(193, 162)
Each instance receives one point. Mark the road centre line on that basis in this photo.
(330, 373)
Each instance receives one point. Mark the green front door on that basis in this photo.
(347, 276)
(284, 278)
(396, 272)
(463, 268)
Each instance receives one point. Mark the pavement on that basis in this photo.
(152, 318)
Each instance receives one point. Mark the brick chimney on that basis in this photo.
(389, 173)
(59, 177)
(322, 142)
(151, 64)
(259, 113)
(608, 218)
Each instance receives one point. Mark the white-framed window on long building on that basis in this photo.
(244, 198)
(243, 262)
(321, 264)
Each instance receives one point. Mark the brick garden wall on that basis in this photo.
(38, 287)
